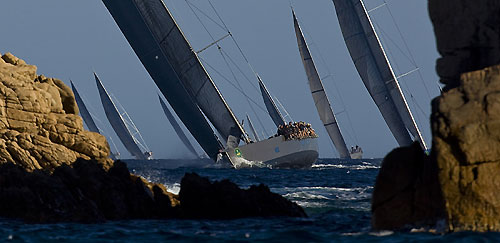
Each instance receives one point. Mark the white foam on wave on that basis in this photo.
(342, 166)
(240, 163)
(173, 188)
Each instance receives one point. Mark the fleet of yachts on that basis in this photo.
(183, 81)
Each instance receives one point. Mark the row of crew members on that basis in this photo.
(296, 130)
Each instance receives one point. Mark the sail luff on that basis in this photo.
(177, 128)
(145, 45)
(271, 107)
(373, 66)
(318, 93)
(255, 135)
(188, 67)
(117, 122)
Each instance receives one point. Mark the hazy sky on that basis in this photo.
(70, 39)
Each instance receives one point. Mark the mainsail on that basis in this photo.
(319, 95)
(117, 122)
(183, 60)
(255, 135)
(137, 25)
(177, 128)
(373, 67)
(272, 109)
(87, 118)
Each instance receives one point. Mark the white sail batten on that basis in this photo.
(319, 95)
(271, 107)
(117, 122)
(188, 67)
(177, 128)
(374, 69)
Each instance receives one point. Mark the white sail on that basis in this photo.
(319, 95)
(373, 66)
(117, 122)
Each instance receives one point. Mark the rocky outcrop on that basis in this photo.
(466, 149)
(407, 191)
(39, 123)
(82, 192)
(199, 198)
(468, 36)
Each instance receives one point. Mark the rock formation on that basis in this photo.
(39, 122)
(52, 170)
(466, 142)
(467, 34)
(199, 198)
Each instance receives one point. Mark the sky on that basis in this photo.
(71, 39)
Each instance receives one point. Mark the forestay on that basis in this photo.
(177, 128)
(255, 135)
(319, 95)
(373, 67)
(271, 107)
(117, 122)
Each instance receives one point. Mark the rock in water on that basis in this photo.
(407, 191)
(466, 148)
(468, 36)
(199, 198)
(39, 123)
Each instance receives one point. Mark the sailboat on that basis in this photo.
(321, 99)
(119, 125)
(177, 128)
(177, 71)
(87, 118)
(375, 70)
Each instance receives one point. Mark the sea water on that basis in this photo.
(335, 194)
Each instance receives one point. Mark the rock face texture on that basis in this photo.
(468, 36)
(200, 198)
(39, 122)
(407, 191)
(466, 142)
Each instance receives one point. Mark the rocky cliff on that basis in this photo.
(39, 123)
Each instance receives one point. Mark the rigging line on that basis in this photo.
(222, 52)
(199, 20)
(407, 48)
(282, 107)
(217, 13)
(234, 86)
(241, 71)
(379, 6)
(129, 120)
(206, 15)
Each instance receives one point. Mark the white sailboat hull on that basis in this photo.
(357, 155)
(278, 152)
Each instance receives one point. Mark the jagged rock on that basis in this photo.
(199, 198)
(83, 192)
(39, 123)
(407, 191)
(468, 36)
(466, 148)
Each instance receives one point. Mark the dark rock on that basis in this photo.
(84, 192)
(468, 36)
(199, 198)
(406, 191)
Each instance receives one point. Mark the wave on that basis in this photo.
(343, 166)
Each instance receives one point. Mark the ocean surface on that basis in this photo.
(335, 194)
